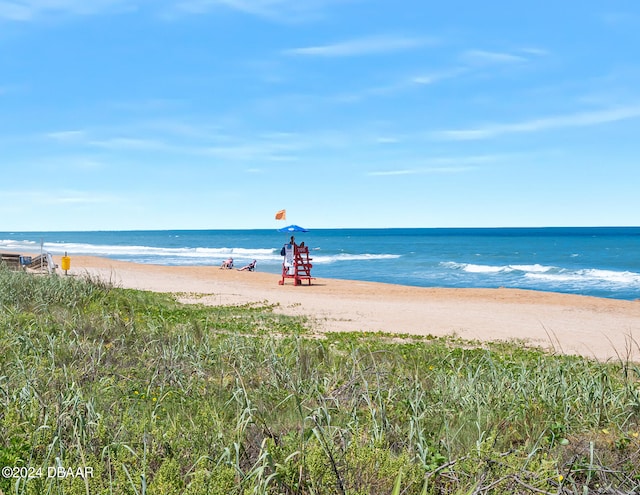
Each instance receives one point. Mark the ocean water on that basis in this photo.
(603, 261)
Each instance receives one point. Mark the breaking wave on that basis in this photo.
(551, 276)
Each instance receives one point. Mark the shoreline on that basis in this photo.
(600, 328)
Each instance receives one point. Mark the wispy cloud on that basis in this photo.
(71, 162)
(437, 76)
(277, 10)
(477, 60)
(386, 173)
(482, 57)
(362, 46)
(66, 197)
(15, 11)
(255, 7)
(178, 138)
(26, 10)
(271, 148)
(66, 136)
(582, 119)
(537, 52)
(81, 198)
(423, 171)
(401, 85)
(121, 143)
(621, 19)
(444, 165)
(469, 62)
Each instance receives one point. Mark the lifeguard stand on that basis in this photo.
(296, 265)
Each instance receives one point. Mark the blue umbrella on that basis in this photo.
(293, 228)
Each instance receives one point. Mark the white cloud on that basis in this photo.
(582, 119)
(80, 198)
(279, 10)
(423, 171)
(434, 77)
(71, 163)
(249, 152)
(438, 165)
(473, 61)
(482, 57)
(131, 144)
(25, 10)
(50, 198)
(256, 7)
(386, 173)
(621, 19)
(387, 140)
(66, 136)
(538, 52)
(14, 12)
(362, 46)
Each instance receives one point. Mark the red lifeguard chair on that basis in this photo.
(298, 267)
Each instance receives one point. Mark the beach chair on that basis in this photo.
(228, 264)
(250, 267)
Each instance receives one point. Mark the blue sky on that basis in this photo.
(199, 114)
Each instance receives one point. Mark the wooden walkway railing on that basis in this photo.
(40, 264)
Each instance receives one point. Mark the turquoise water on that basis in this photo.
(591, 261)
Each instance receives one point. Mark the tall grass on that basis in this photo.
(162, 398)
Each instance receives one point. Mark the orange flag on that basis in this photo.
(281, 215)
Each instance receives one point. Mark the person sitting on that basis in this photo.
(228, 263)
(251, 267)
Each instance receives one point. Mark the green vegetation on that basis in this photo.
(156, 398)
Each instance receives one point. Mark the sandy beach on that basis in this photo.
(605, 329)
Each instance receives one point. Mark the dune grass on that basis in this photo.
(155, 397)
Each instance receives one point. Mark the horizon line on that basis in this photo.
(275, 229)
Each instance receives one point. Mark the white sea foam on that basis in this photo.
(183, 255)
(140, 251)
(590, 276)
(554, 276)
(352, 257)
(476, 268)
(13, 244)
(472, 268)
(532, 268)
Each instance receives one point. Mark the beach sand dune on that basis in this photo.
(606, 329)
